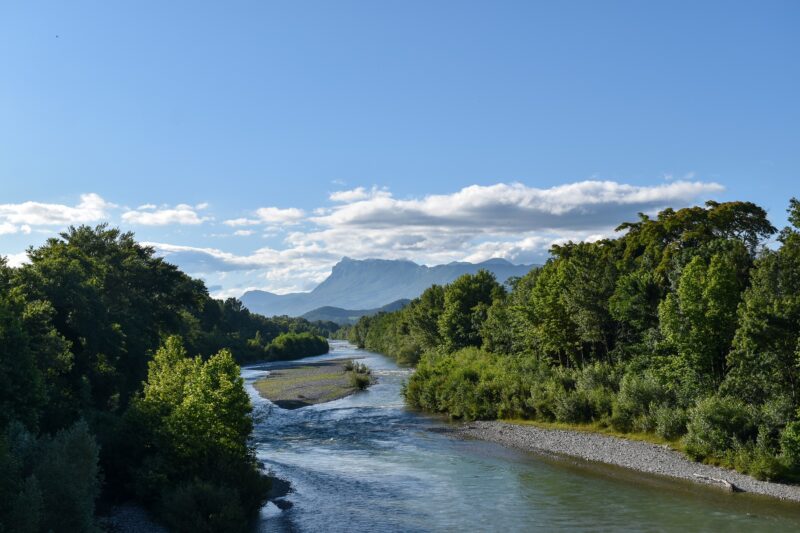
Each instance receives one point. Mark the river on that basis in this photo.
(365, 463)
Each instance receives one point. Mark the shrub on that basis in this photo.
(670, 422)
(716, 424)
(638, 394)
(790, 444)
(602, 404)
(201, 507)
(573, 407)
(49, 483)
(759, 458)
(288, 346)
(359, 380)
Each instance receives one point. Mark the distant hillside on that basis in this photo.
(345, 317)
(372, 283)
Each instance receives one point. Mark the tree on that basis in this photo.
(112, 301)
(699, 318)
(48, 483)
(22, 392)
(422, 315)
(553, 333)
(466, 302)
(764, 361)
(194, 418)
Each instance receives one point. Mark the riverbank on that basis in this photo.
(292, 386)
(636, 455)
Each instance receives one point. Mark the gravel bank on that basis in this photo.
(636, 455)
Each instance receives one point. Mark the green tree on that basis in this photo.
(194, 418)
(422, 315)
(466, 302)
(764, 360)
(112, 300)
(699, 318)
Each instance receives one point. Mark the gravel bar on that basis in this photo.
(636, 455)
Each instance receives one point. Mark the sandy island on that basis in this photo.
(299, 385)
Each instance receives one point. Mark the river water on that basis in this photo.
(365, 463)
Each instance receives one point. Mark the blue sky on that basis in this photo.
(462, 130)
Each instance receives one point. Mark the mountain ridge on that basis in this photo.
(365, 284)
(346, 317)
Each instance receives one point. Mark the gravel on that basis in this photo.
(636, 455)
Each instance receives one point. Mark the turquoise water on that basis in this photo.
(365, 463)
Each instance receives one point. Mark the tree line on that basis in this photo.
(687, 327)
(119, 381)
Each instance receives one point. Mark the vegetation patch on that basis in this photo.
(292, 387)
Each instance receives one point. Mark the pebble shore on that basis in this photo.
(636, 455)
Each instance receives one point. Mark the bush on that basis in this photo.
(573, 407)
(201, 507)
(716, 425)
(288, 346)
(670, 422)
(359, 381)
(790, 444)
(638, 395)
(50, 483)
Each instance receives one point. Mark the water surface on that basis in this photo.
(365, 463)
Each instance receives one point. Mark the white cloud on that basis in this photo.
(270, 215)
(6, 228)
(92, 208)
(236, 222)
(148, 215)
(358, 194)
(276, 215)
(17, 260)
(515, 207)
(243, 232)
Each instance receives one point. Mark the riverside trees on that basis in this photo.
(685, 326)
(86, 406)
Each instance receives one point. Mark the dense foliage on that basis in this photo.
(99, 397)
(293, 345)
(686, 326)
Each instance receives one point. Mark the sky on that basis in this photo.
(256, 143)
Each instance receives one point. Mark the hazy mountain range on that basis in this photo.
(372, 283)
(350, 316)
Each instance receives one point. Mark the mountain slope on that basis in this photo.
(350, 316)
(372, 283)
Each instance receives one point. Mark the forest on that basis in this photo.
(685, 329)
(119, 381)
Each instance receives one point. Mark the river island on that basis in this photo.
(292, 386)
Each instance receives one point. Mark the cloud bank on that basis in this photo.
(512, 221)
(21, 217)
(293, 248)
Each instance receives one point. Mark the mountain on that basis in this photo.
(350, 316)
(372, 283)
